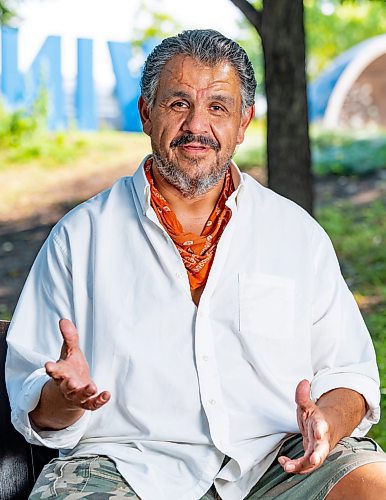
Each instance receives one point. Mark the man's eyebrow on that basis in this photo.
(222, 98)
(185, 95)
(176, 93)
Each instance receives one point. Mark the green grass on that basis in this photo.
(50, 149)
(359, 237)
(349, 153)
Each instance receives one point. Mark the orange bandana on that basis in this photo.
(197, 252)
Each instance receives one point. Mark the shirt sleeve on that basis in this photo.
(342, 351)
(34, 338)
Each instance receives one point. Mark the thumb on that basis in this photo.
(69, 333)
(303, 395)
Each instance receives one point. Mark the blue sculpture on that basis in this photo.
(45, 73)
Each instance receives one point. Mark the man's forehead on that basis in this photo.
(189, 73)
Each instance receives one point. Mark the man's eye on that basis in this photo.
(217, 108)
(179, 105)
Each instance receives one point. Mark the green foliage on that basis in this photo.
(331, 26)
(251, 43)
(347, 154)
(24, 138)
(152, 24)
(252, 152)
(334, 26)
(376, 323)
(359, 237)
(51, 149)
(19, 126)
(332, 152)
(7, 11)
(248, 157)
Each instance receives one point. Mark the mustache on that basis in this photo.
(202, 139)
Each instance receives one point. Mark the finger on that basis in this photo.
(96, 402)
(78, 394)
(71, 387)
(68, 388)
(320, 428)
(54, 370)
(317, 432)
(303, 395)
(69, 333)
(84, 393)
(320, 451)
(313, 458)
(283, 460)
(296, 466)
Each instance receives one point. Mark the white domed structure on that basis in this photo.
(351, 92)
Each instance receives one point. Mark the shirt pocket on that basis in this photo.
(267, 305)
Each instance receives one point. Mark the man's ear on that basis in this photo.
(144, 113)
(246, 118)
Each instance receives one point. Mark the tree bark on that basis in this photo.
(280, 25)
(288, 147)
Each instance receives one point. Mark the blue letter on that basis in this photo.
(11, 79)
(127, 87)
(45, 74)
(85, 92)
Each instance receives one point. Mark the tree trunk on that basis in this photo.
(288, 148)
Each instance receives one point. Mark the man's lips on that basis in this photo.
(195, 147)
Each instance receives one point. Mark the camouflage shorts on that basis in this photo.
(96, 477)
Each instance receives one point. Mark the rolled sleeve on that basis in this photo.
(343, 355)
(27, 400)
(362, 384)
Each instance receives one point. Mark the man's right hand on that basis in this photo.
(70, 391)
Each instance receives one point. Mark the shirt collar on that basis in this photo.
(142, 186)
(239, 185)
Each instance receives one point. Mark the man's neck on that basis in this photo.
(192, 213)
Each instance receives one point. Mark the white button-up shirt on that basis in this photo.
(189, 385)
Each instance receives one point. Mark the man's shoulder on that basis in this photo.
(274, 206)
(278, 219)
(100, 208)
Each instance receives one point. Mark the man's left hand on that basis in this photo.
(316, 431)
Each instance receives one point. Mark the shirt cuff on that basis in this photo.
(28, 399)
(357, 382)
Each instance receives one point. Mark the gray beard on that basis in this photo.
(190, 187)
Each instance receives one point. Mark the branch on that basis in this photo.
(253, 15)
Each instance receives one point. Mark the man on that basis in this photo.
(202, 304)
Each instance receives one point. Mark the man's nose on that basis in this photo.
(196, 122)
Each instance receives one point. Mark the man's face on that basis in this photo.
(195, 124)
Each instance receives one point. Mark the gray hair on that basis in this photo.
(207, 46)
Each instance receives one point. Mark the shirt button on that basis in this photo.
(178, 275)
(212, 401)
(205, 358)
